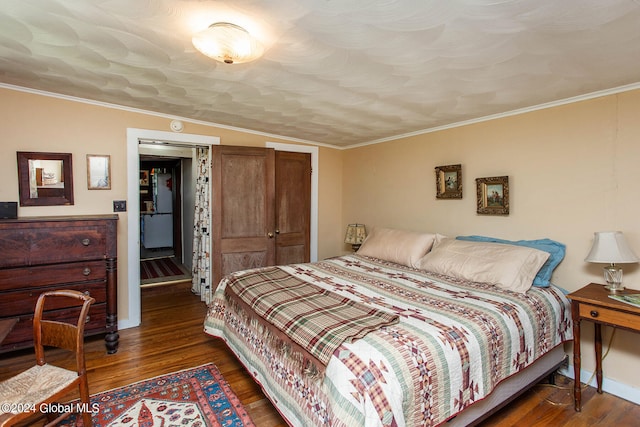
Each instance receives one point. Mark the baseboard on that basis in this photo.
(610, 386)
(126, 324)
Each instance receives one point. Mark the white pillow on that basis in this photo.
(506, 266)
(399, 246)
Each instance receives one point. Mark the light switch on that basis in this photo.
(119, 205)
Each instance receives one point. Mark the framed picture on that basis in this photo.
(144, 177)
(493, 195)
(98, 172)
(449, 182)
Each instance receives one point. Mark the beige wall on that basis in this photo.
(330, 227)
(33, 122)
(572, 169)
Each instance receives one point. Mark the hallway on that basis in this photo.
(162, 270)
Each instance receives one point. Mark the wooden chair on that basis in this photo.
(37, 388)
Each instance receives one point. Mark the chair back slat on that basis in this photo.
(66, 335)
(59, 334)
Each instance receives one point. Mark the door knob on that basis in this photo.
(270, 234)
(277, 231)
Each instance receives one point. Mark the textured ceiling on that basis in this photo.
(337, 72)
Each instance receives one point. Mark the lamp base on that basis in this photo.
(613, 277)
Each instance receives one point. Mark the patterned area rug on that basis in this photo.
(193, 397)
(161, 270)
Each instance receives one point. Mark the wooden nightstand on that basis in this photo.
(593, 303)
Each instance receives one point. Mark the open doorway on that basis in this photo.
(165, 257)
(137, 140)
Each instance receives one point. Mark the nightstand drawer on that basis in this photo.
(613, 317)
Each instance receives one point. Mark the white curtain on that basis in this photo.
(201, 271)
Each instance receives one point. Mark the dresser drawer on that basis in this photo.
(70, 244)
(21, 336)
(605, 315)
(14, 247)
(23, 301)
(47, 275)
(41, 246)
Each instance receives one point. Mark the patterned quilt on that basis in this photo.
(454, 343)
(310, 320)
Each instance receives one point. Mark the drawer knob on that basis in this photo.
(87, 293)
(86, 271)
(88, 319)
(594, 313)
(86, 242)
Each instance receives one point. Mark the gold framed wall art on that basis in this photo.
(493, 195)
(449, 182)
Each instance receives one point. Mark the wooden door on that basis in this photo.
(292, 207)
(243, 220)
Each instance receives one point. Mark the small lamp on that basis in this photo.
(610, 247)
(355, 235)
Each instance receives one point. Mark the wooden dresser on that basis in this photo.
(66, 252)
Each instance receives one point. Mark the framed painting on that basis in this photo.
(493, 195)
(144, 177)
(98, 172)
(449, 182)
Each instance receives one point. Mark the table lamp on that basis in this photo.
(355, 235)
(611, 247)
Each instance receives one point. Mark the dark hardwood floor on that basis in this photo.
(171, 338)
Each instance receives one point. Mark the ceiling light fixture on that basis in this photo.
(228, 43)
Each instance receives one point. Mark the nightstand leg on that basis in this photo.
(598, 346)
(577, 390)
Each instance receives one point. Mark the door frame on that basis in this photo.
(134, 137)
(313, 250)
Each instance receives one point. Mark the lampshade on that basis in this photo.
(355, 235)
(228, 43)
(610, 247)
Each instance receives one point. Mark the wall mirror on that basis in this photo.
(45, 179)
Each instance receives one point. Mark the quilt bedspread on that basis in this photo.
(302, 315)
(454, 343)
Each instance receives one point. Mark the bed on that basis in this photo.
(430, 346)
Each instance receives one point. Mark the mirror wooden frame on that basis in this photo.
(66, 198)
